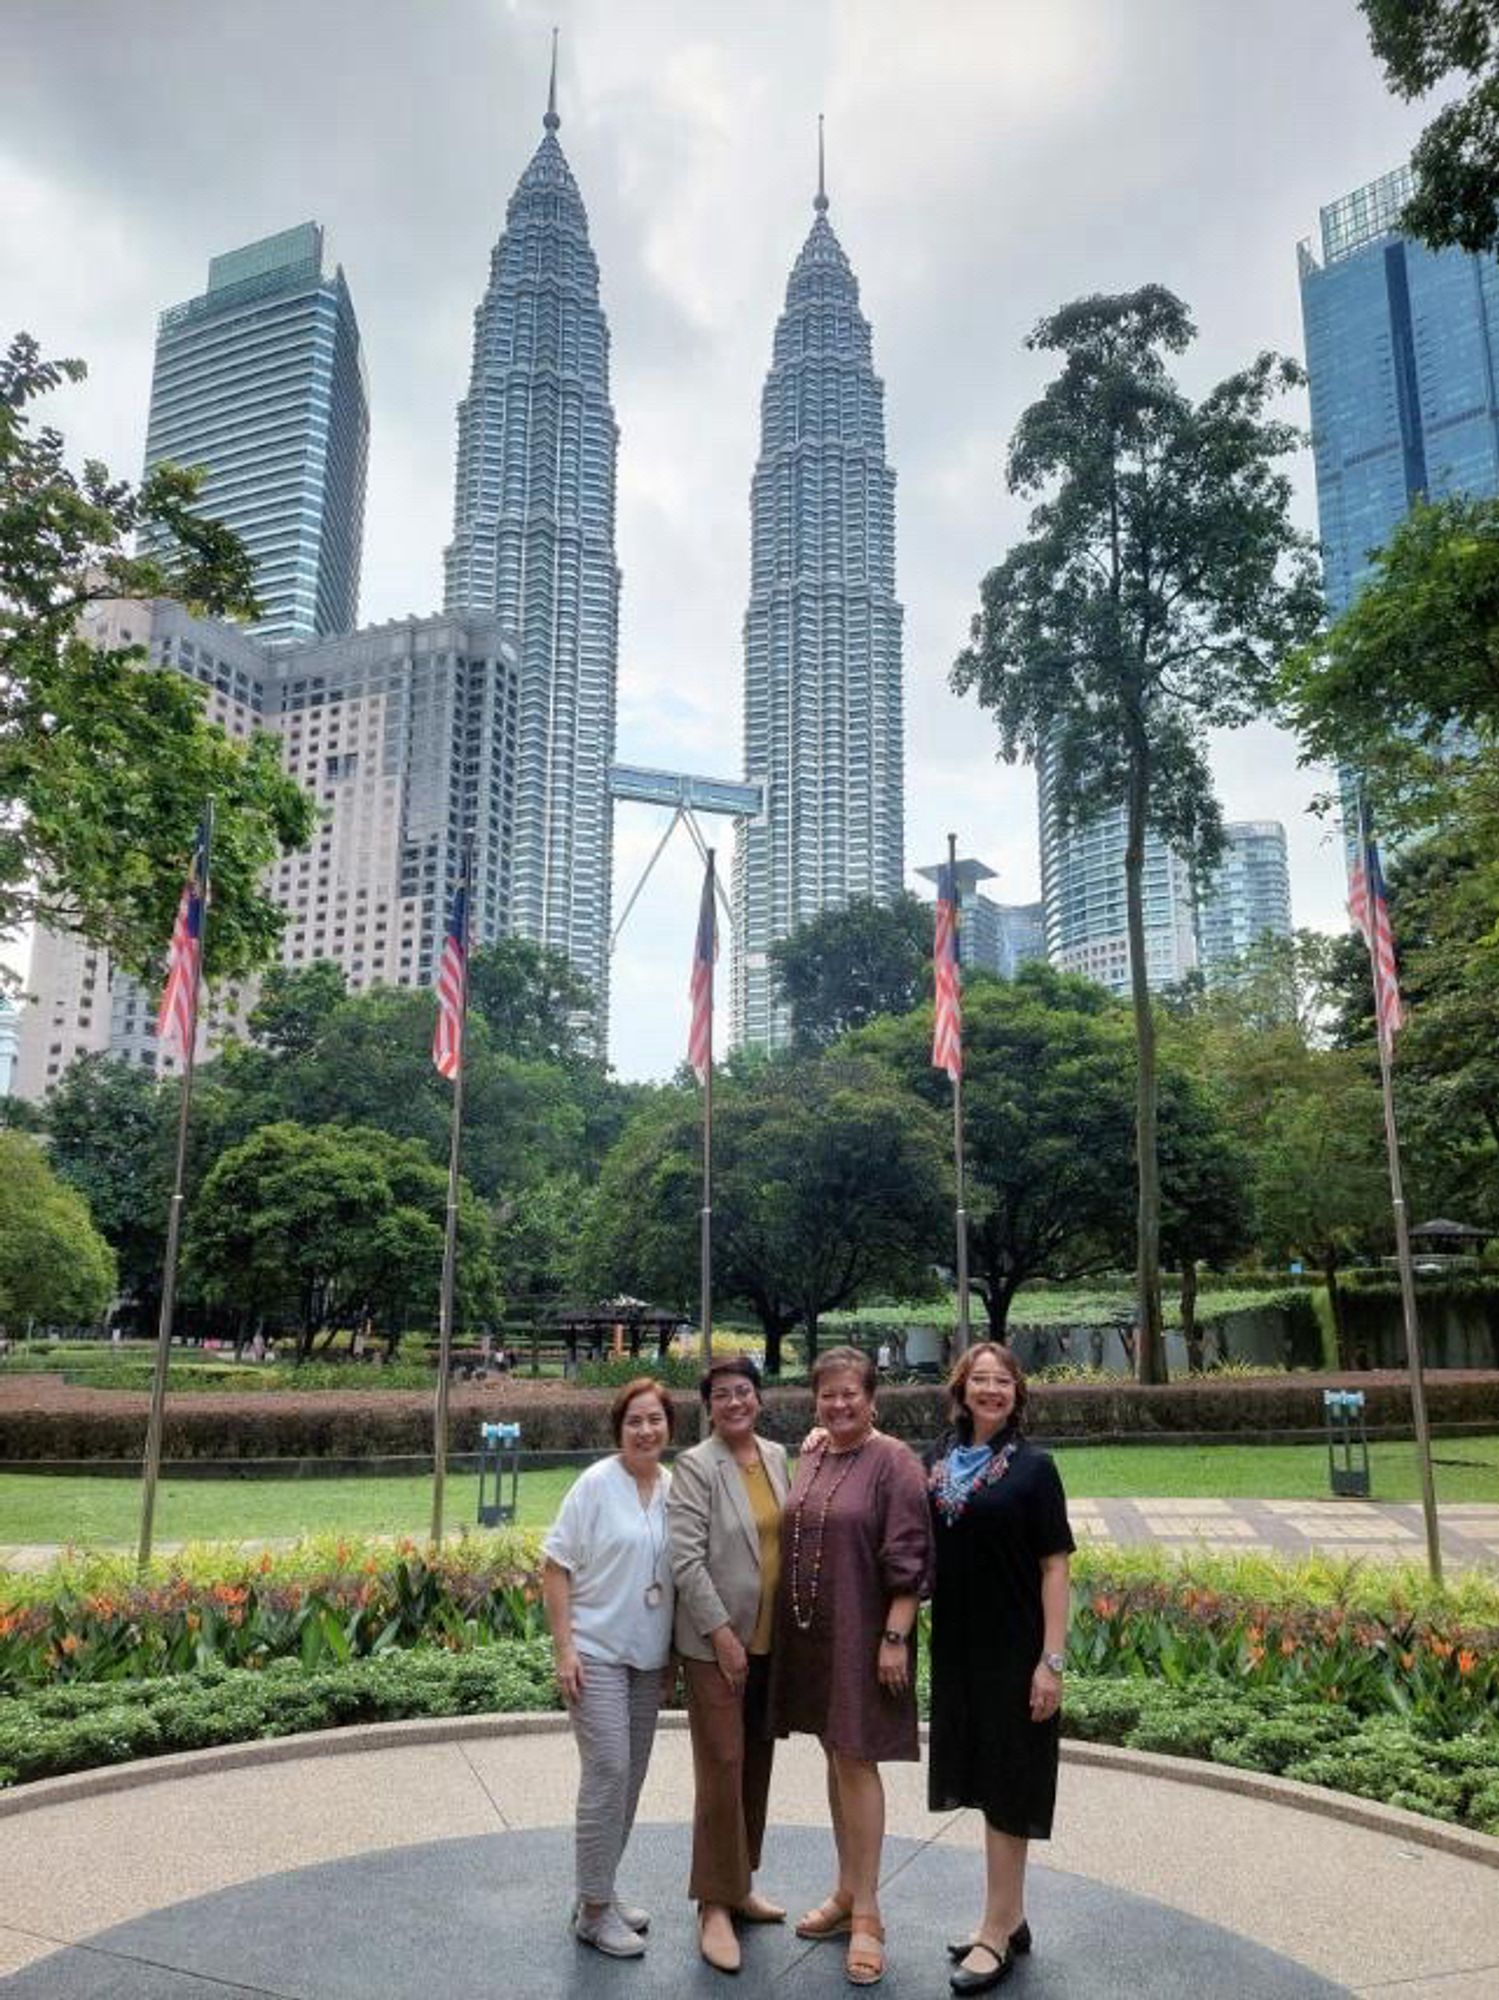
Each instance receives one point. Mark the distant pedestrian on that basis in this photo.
(609, 1600)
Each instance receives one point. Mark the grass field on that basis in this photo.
(90, 1511)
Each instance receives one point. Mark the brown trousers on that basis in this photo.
(731, 1759)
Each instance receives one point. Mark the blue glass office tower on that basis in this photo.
(261, 382)
(1402, 348)
(823, 727)
(533, 542)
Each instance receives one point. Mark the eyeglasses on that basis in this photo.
(742, 1392)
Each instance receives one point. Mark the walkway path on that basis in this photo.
(1381, 1530)
(432, 1861)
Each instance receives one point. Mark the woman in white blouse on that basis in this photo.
(608, 1594)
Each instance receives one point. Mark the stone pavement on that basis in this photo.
(432, 1861)
(1374, 1529)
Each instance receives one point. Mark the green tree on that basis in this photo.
(849, 966)
(1159, 583)
(105, 764)
(333, 1227)
(295, 1005)
(111, 1125)
(1405, 686)
(829, 1182)
(1206, 1214)
(535, 1006)
(1320, 1185)
(1456, 162)
(55, 1267)
(1047, 1121)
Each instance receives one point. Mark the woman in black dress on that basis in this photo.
(999, 1629)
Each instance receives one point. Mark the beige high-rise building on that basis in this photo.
(404, 734)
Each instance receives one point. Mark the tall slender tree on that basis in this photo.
(1158, 584)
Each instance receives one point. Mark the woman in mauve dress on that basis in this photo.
(855, 1547)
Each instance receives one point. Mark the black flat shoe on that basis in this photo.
(1020, 1943)
(983, 1982)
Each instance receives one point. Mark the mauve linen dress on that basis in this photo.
(825, 1681)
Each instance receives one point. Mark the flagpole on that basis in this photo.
(151, 1471)
(960, 1217)
(705, 1243)
(450, 1238)
(1384, 1038)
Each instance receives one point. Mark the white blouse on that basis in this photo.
(615, 1551)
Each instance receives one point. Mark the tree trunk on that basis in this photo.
(776, 1329)
(1190, 1333)
(810, 1322)
(1335, 1307)
(1150, 1343)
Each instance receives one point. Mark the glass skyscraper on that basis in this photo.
(1082, 893)
(1248, 899)
(533, 544)
(822, 635)
(261, 382)
(1402, 348)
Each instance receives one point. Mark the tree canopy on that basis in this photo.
(106, 763)
(829, 1182)
(849, 966)
(1456, 161)
(1159, 583)
(55, 1267)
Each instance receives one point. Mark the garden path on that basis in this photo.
(1377, 1530)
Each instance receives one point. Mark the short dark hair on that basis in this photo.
(729, 1364)
(957, 1382)
(641, 1385)
(833, 1359)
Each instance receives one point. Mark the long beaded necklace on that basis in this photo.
(803, 1618)
(654, 1591)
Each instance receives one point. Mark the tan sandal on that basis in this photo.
(865, 1963)
(832, 1918)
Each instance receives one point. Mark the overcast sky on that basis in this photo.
(987, 160)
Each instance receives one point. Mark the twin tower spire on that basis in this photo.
(534, 543)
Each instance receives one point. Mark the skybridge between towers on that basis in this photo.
(688, 796)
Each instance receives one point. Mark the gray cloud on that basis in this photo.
(988, 159)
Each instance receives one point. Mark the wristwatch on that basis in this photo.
(894, 1638)
(1056, 1661)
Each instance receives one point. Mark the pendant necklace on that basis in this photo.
(654, 1590)
(803, 1615)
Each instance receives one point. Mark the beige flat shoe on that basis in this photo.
(760, 1910)
(716, 1940)
(831, 1918)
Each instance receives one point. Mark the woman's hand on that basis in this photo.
(894, 1665)
(569, 1673)
(1046, 1693)
(815, 1439)
(733, 1661)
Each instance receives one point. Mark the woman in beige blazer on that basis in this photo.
(724, 1526)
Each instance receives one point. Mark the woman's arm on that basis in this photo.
(557, 1599)
(687, 1514)
(895, 1640)
(1056, 1602)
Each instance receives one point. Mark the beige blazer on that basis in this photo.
(714, 1544)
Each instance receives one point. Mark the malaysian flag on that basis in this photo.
(1370, 911)
(947, 1021)
(177, 1016)
(452, 984)
(700, 988)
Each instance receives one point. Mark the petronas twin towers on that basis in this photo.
(533, 543)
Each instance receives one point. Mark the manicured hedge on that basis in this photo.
(561, 1417)
(81, 1727)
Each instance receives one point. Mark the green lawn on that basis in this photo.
(90, 1511)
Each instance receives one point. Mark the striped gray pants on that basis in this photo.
(614, 1721)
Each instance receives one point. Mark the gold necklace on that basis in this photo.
(803, 1620)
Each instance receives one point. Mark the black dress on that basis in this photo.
(987, 1630)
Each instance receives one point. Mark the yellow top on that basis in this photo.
(768, 1523)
